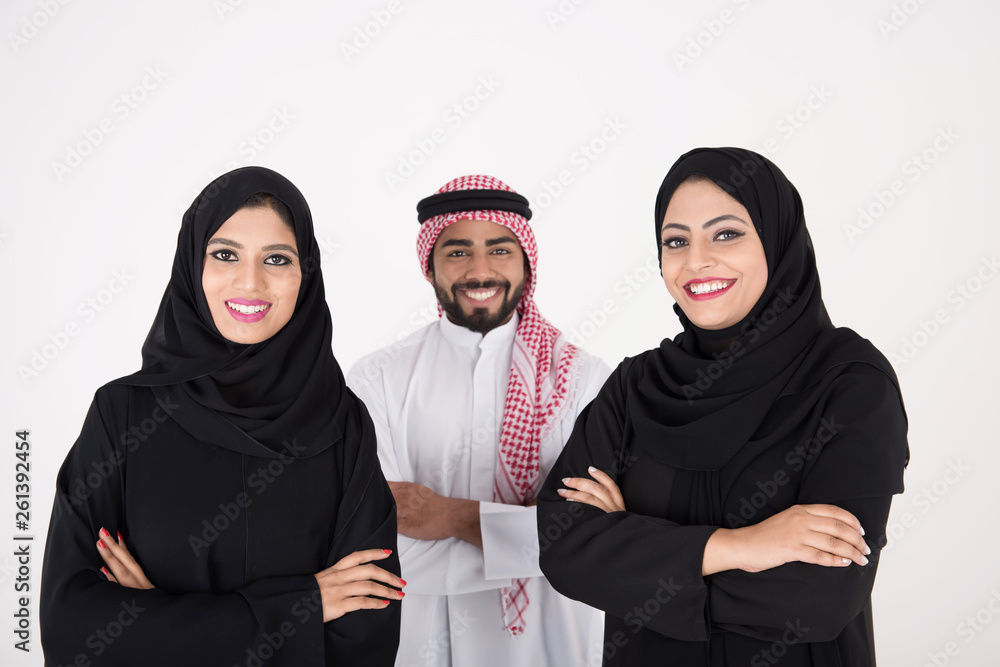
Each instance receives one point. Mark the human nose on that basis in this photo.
(699, 257)
(478, 267)
(250, 277)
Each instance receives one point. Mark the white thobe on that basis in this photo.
(437, 400)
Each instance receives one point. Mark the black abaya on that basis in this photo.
(643, 566)
(231, 542)
(723, 429)
(235, 473)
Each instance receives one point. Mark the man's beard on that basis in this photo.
(479, 320)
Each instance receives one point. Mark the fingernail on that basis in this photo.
(100, 543)
(868, 549)
(402, 581)
(105, 533)
(864, 560)
(591, 469)
(862, 530)
(387, 551)
(561, 491)
(401, 594)
(846, 560)
(120, 538)
(105, 570)
(566, 480)
(385, 602)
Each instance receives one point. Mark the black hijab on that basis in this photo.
(284, 396)
(703, 396)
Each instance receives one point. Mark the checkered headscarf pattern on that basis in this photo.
(432, 227)
(539, 384)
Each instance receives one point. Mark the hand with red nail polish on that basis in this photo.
(346, 586)
(124, 570)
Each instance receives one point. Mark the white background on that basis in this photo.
(843, 96)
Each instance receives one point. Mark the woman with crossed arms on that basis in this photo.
(245, 525)
(725, 496)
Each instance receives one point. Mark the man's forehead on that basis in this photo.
(475, 231)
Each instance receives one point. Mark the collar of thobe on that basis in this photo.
(467, 339)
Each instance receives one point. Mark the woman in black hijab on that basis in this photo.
(236, 465)
(723, 483)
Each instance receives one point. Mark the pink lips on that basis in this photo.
(709, 295)
(248, 317)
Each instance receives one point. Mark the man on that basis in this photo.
(471, 412)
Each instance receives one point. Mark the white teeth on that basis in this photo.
(247, 310)
(482, 295)
(705, 288)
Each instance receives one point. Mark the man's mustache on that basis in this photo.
(479, 284)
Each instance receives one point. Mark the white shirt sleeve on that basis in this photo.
(366, 383)
(510, 532)
(593, 375)
(510, 541)
(430, 567)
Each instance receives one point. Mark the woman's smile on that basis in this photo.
(248, 310)
(253, 253)
(713, 261)
(708, 288)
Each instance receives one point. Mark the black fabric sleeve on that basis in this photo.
(85, 619)
(858, 470)
(621, 562)
(277, 620)
(366, 520)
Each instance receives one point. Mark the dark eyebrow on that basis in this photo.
(238, 246)
(675, 225)
(706, 225)
(721, 218)
(466, 243)
(280, 246)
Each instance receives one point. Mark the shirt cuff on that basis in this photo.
(510, 541)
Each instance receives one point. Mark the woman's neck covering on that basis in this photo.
(775, 210)
(703, 395)
(539, 385)
(284, 396)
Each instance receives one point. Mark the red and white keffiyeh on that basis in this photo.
(539, 383)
